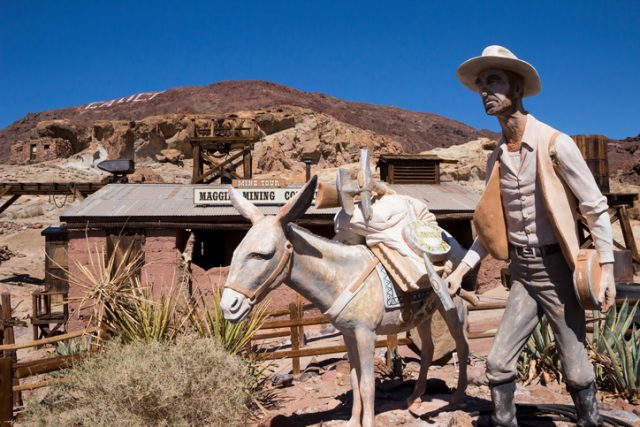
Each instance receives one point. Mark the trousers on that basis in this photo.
(541, 284)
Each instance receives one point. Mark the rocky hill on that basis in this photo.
(414, 131)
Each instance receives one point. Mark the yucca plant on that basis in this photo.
(209, 321)
(106, 285)
(540, 358)
(616, 353)
(143, 319)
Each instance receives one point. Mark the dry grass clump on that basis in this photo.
(24, 212)
(191, 382)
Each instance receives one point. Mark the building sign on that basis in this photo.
(266, 182)
(257, 196)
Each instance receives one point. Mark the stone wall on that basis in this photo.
(84, 250)
(88, 250)
(161, 261)
(40, 150)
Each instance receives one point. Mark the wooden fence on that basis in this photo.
(294, 329)
(12, 371)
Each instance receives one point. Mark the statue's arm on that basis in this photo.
(573, 169)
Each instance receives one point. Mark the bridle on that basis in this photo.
(284, 263)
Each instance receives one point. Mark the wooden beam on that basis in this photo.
(40, 384)
(273, 324)
(51, 340)
(197, 162)
(627, 232)
(295, 338)
(319, 351)
(44, 366)
(6, 392)
(9, 338)
(9, 202)
(200, 178)
(247, 167)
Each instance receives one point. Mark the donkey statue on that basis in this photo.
(275, 251)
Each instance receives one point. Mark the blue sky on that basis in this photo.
(56, 54)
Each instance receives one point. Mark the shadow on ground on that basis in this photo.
(22, 279)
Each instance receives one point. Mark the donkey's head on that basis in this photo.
(262, 261)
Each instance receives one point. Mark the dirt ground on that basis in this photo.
(321, 395)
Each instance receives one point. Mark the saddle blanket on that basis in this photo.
(393, 299)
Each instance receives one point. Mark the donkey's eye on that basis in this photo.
(262, 256)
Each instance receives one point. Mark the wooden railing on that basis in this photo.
(294, 329)
(11, 371)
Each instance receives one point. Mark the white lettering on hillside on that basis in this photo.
(138, 97)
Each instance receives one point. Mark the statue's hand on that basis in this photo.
(607, 295)
(454, 280)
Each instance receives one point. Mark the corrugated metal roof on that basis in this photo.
(157, 200)
(176, 200)
(443, 197)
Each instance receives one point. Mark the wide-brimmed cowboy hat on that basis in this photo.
(501, 58)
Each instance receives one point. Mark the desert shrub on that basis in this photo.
(191, 382)
(614, 352)
(24, 212)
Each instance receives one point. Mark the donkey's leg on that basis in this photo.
(426, 356)
(354, 361)
(366, 340)
(455, 322)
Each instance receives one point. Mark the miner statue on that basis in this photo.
(533, 175)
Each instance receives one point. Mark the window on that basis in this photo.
(125, 248)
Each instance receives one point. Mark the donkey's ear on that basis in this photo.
(245, 207)
(298, 205)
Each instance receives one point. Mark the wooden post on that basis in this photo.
(627, 232)
(9, 338)
(392, 348)
(34, 307)
(247, 166)
(6, 384)
(9, 202)
(300, 315)
(295, 340)
(196, 173)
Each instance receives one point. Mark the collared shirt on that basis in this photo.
(528, 223)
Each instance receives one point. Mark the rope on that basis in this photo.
(52, 197)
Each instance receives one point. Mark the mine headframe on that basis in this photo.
(222, 148)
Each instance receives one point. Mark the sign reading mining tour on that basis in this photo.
(256, 192)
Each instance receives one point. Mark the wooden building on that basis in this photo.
(167, 224)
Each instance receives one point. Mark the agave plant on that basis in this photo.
(540, 358)
(616, 352)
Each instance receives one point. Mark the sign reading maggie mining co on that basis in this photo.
(257, 196)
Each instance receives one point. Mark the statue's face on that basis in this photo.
(496, 91)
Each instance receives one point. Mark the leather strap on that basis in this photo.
(350, 291)
(257, 293)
